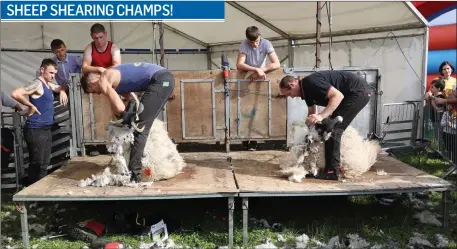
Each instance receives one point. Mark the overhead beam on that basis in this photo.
(259, 19)
(336, 33)
(178, 32)
(417, 13)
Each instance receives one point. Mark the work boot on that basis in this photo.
(332, 174)
(135, 178)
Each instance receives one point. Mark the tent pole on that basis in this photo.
(318, 34)
(111, 31)
(153, 41)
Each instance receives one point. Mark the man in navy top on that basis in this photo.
(37, 130)
(156, 82)
(342, 94)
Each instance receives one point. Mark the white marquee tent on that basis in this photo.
(391, 36)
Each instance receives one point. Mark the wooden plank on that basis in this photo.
(195, 92)
(257, 172)
(86, 115)
(198, 109)
(102, 116)
(206, 174)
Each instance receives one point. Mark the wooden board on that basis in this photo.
(250, 117)
(198, 104)
(257, 173)
(102, 116)
(207, 174)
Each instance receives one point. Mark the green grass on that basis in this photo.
(203, 223)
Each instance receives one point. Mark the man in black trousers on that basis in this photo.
(342, 94)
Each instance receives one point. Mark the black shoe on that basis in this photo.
(328, 174)
(135, 178)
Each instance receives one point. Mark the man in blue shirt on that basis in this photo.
(37, 130)
(156, 82)
(66, 64)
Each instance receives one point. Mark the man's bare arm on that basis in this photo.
(56, 88)
(274, 63)
(241, 65)
(19, 93)
(335, 97)
(117, 106)
(87, 61)
(116, 54)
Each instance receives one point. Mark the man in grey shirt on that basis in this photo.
(253, 54)
(9, 102)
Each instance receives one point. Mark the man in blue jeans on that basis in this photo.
(342, 94)
(156, 82)
(37, 130)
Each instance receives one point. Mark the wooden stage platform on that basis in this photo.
(237, 174)
(206, 175)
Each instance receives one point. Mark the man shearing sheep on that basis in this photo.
(156, 82)
(342, 94)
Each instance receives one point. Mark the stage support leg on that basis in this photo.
(445, 208)
(231, 207)
(24, 225)
(245, 220)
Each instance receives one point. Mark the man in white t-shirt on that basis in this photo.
(253, 54)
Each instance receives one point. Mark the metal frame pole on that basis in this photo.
(245, 207)
(445, 208)
(24, 224)
(318, 34)
(231, 208)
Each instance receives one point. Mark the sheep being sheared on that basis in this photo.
(307, 152)
(161, 160)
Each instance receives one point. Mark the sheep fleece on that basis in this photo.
(160, 155)
(357, 155)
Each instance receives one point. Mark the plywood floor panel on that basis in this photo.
(207, 174)
(258, 174)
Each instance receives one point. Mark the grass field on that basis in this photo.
(202, 223)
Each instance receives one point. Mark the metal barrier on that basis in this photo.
(440, 127)
(61, 143)
(401, 122)
(12, 173)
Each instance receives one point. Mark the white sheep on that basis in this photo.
(161, 160)
(307, 153)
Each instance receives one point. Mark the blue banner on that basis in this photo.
(112, 10)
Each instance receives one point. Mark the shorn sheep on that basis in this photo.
(161, 160)
(306, 154)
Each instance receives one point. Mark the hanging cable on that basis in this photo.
(402, 52)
